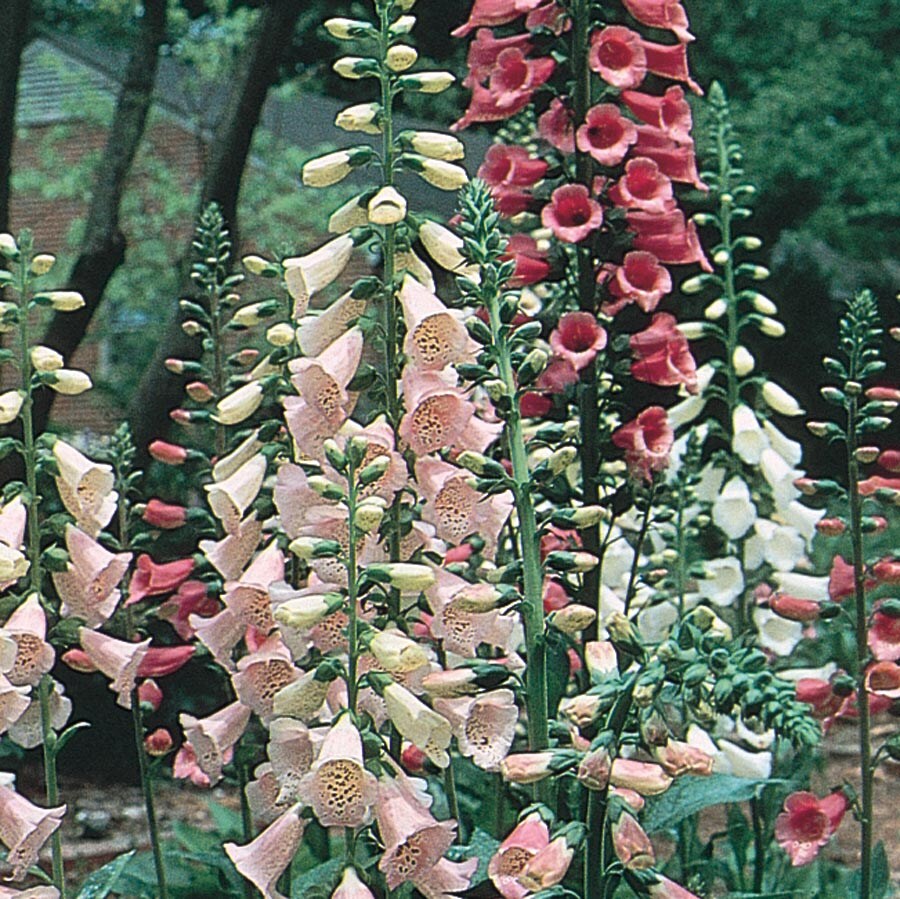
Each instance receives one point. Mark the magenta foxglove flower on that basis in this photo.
(639, 279)
(531, 262)
(884, 637)
(643, 186)
(578, 338)
(494, 12)
(152, 579)
(484, 50)
(883, 679)
(668, 236)
(647, 441)
(669, 61)
(265, 859)
(676, 160)
(339, 789)
(670, 112)
(166, 516)
(119, 660)
(509, 170)
(606, 134)
(484, 725)
(24, 828)
(571, 213)
(617, 55)
(88, 587)
(666, 14)
(214, 737)
(808, 823)
(191, 598)
(414, 841)
(662, 355)
(528, 838)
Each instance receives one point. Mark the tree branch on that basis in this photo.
(14, 19)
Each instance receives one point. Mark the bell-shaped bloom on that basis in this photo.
(484, 726)
(85, 487)
(780, 545)
(631, 843)
(152, 579)
(338, 788)
(265, 859)
(14, 703)
(262, 673)
(808, 823)
(13, 563)
(230, 555)
(508, 170)
(247, 598)
(34, 657)
(435, 337)
(883, 679)
(31, 893)
(647, 441)
(679, 758)
(723, 581)
(733, 512)
(606, 134)
(665, 14)
(556, 126)
(640, 279)
(548, 866)
(305, 276)
(571, 214)
(677, 161)
(213, 738)
(662, 355)
(191, 598)
(24, 828)
(413, 840)
(642, 777)
(162, 660)
(669, 61)
(748, 440)
(439, 416)
(455, 508)
(418, 723)
(317, 332)
(494, 12)
(578, 337)
(663, 888)
(884, 637)
(351, 887)
(667, 236)
(644, 187)
(483, 51)
(779, 476)
(119, 660)
(229, 498)
(87, 588)
(323, 404)
(529, 837)
(617, 56)
(291, 752)
(531, 262)
(670, 113)
(185, 767)
(446, 879)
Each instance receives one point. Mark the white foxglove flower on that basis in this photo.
(724, 581)
(789, 450)
(779, 476)
(733, 512)
(749, 440)
(775, 633)
(803, 586)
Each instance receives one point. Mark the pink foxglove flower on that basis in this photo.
(185, 767)
(571, 213)
(230, 555)
(191, 598)
(548, 866)
(88, 587)
(265, 859)
(671, 113)
(13, 563)
(606, 134)
(439, 416)
(290, 751)
(662, 355)
(668, 237)
(24, 828)
(27, 626)
(528, 838)
(85, 487)
(556, 126)
(317, 332)
(647, 441)
(670, 61)
(578, 338)
(262, 673)
(484, 50)
(639, 279)
(31, 893)
(643, 186)
(152, 579)
(675, 160)
(632, 845)
(531, 262)
(508, 170)
(494, 12)
(455, 508)
(642, 777)
(119, 660)
(617, 55)
(305, 276)
(351, 887)
(247, 598)
(664, 888)
(230, 497)
(515, 78)
(14, 703)
(165, 516)
(413, 840)
(884, 637)
(338, 788)
(435, 336)
(666, 14)
(323, 404)
(808, 823)
(446, 879)
(883, 679)
(213, 738)
(484, 726)
(159, 661)
(679, 758)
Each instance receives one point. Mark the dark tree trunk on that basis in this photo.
(14, 19)
(159, 391)
(103, 247)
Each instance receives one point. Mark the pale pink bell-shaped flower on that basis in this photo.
(642, 777)
(305, 276)
(435, 337)
(27, 730)
(338, 788)
(185, 767)
(379, 437)
(484, 726)
(265, 859)
(529, 837)
(119, 660)
(351, 887)
(455, 508)
(24, 828)
(631, 843)
(230, 498)
(446, 879)
(548, 866)
(316, 332)
(291, 752)
(441, 417)
(14, 702)
(230, 555)
(413, 839)
(248, 597)
(13, 563)
(680, 758)
(214, 737)
(664, 888)
(323, 404)
(262, 796)
(34, 655)
(31, 893)
(219, 634)
(262, 674)
(88, 587)
(85, 487)
(884, 637)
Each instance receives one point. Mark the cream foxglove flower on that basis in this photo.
(422, 726)
(780, 400)
(85, 487)
(43, 358)
(10, 406)
(240, 404)
(305, 276)
(229, 499)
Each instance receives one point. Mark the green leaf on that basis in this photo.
(689, 795)
(881, 873)
(319, 881)
(67, 735)
(481, 846)
(227, 821)
(102, 881)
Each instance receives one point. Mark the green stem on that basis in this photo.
(593, 874)
(759, 845)
(638, 547)
(215, 315)
(246, 814)
(147, 788)
(862, 652)
(45, 690)
(352, 589)
(453, 801)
